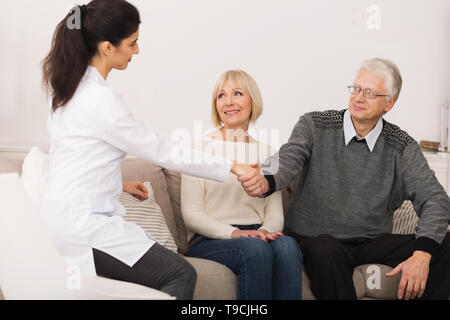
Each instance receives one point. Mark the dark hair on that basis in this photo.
(73, 47)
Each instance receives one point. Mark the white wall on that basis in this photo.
(302, 53)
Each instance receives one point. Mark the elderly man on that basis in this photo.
(354, 170)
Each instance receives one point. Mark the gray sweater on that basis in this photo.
(350, 192)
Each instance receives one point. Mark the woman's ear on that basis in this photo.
(106, 48)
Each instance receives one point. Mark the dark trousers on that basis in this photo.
(329, 263)
(159, 268)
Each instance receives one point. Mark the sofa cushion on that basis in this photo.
(358, 281)
(134, 169)
(148, 215)
(214, 280)
(173, 180)
(377, 285)
(405, 219)
(306, 287)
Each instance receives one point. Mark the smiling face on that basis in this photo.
(123, 53)
(367, 110)
(234, 106)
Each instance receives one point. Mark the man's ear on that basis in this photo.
(389, 105)
(106, 48)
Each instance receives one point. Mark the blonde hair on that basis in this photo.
(237, 78)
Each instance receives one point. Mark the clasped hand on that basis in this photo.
(261, 234)
(251, 178)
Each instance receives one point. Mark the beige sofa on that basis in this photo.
(215, 281)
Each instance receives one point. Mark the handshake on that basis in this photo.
(251, 178)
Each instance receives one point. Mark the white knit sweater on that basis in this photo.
(210, 208)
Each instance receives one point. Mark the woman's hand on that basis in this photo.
(270, 235)
(261, 234)
(244, 170)
(137, 189)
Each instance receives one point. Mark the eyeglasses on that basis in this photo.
(354, 90)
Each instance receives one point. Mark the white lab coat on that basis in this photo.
(90, 137)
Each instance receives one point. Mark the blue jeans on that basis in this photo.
(266, 271)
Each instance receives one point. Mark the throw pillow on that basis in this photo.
(34, 175)
(148, 215)
(405, 219)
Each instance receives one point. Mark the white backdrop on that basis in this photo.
(302, 53)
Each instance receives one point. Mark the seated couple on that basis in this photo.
(354, 169)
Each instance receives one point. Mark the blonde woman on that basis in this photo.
(225, 224)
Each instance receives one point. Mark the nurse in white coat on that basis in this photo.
(92, 130)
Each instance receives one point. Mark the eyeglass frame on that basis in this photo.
(364, 92)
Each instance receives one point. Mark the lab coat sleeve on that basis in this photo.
(116, 125)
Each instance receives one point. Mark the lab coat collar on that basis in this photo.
(350, 133)
(93, 74)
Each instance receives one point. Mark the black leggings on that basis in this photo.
(159, 269)
(329, 263)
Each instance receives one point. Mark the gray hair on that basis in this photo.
(387, 70)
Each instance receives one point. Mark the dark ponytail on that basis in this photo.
(74, 45)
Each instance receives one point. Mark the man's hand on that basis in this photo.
(250, 174)
(255, 185)
(414, 275)
(136, 188)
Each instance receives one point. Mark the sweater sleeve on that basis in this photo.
(194, 214)
(429, 198)
(273, 213)
(288, 163)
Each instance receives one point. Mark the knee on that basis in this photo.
(286, 247)
(191, 273)
(257, 250)
(324, 247)
(188, 273)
